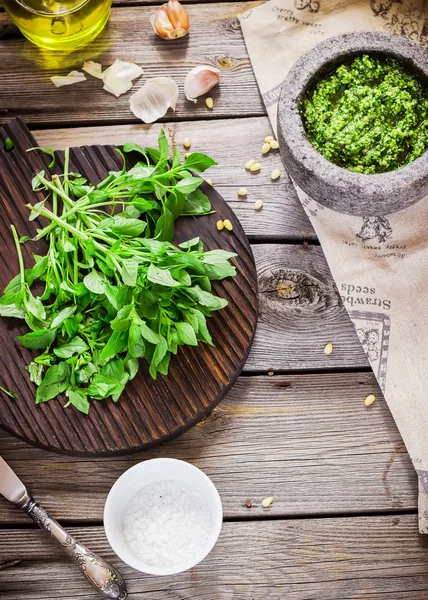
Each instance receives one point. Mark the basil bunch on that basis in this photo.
(115, 289)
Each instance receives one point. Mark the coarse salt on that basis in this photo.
(166, 522)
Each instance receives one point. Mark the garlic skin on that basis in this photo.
(118, 77)
(200, 80)
(152, 101)
(93, 68)
(73, 77)
(170, 21)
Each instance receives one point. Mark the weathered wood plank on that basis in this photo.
(313, 445)
(300, 312)
(215, 38)
(327, 559)
(282, 216)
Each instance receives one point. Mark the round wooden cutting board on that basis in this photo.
(149, 411)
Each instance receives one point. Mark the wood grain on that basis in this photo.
(313, 445)
(368, 558)
(150, 410)
(215, 39)
(282, 217)
(300, 312)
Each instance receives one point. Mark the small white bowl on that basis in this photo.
(141, 475)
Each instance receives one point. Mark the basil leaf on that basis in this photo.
(74, 346)
(203, 332)
(197, 203)
(36, 372)
(165, 225)
(186, 334)
(129, 272)
(216, 257)
(159, 353)
(37, 340)
(123, 320)
(95, 283)
(131, 147)
(55, 382)
(136, 347)
(189, 244)
(63, 315)
(79, 400)
(116, 344)
(199, 162)
(10, 310)
(148, 334)
(206, 298)
(163, 145)
(131, 365)
(188, 184)
(161, 277)
(124, 226)
(40, 266)
(219, 270)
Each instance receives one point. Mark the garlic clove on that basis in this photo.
(151, 102)
(178, 16)
(93, 68)
(170, 21)
(73, 77)
(200, 80)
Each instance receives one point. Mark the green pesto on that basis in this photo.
(368, 116)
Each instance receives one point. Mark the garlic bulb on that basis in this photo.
(170, 21)
(151, 102)
(200, 80)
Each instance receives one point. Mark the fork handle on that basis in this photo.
(100, 574)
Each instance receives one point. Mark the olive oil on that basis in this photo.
(59, 25)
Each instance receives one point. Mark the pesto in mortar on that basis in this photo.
(368, 116)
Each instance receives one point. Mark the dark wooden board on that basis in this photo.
(149, 411)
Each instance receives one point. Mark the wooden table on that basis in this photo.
(343, 524)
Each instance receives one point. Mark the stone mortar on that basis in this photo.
(333, 186)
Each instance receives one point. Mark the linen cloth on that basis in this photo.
(380, 264)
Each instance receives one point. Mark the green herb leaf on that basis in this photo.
(95, 282)
(37, 340)
(136, 347)
(188, 184)
(116, 344)
(186, 334)
(36, 372)
(124, 226)
(55, 382)
(161, 277)
(197, 203)
(78, 399)
(74, 346)
(199, 162)
(129, 272)
(206, 298)
(123, 319)
(63, 315)
(10, 310)
(149, 335)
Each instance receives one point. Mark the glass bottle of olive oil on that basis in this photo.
(59, 24)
